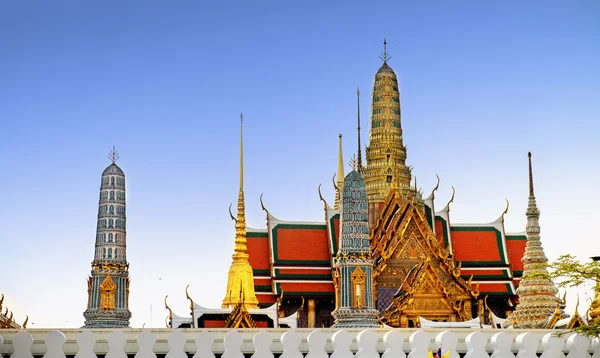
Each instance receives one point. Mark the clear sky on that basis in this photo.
(482, 83)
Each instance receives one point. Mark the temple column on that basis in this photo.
(312, 316)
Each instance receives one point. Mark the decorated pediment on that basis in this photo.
(239, 318)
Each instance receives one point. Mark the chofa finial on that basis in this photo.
(114, 155)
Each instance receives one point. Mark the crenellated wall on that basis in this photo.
(321, 343)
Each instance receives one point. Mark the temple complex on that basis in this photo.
(108, 285)
(419, 266)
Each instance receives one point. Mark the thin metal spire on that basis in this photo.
(530, 176)
(385, 56)
(340, 177)
(359, 164)
(114, 155)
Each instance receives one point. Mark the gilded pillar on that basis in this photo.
(312, 315)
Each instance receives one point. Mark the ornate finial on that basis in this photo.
(359, 151)
(451, 199)
(505, 210)
(530, 176)
(385, 56)
(230, 214)
(114, 155)
(353, 162)
(191, 305)
(262, 206)
(170, 312)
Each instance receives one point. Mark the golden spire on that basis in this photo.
(340, 177)
(240, 272)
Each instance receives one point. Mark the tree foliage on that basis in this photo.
(568, 271)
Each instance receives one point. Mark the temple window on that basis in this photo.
(112, 195)
(112, 209)
(388, 179)
(116, 238)
(110, 237)
(110, 253)
(110, 223)
(103, 253)
(116, 252)
(112, 180)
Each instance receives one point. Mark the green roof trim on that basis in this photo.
(333, 235)
(502, 261)
(476, 277)
(263, 288)
(275, 244)
(429, 217)
(261, 272)
(306, 293)
(516, 237)
(254, 234)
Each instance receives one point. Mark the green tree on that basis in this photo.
(568, 271)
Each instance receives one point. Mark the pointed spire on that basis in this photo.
(359, 164)
(240, 223)
(536, 290)
(241, 153)
(530, 176)
(385, 56)
(340, 177)
(240, 270)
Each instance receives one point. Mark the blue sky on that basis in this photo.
(482, 83)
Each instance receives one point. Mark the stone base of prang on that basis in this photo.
(107, 319)
(355, 318)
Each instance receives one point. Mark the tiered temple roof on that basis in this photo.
(296, 257)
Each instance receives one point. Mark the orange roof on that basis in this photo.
(258, 250)
(300, 244)
(266, 300)
(478, 245)
(441, 231)
(515, 244)
(495, 287)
